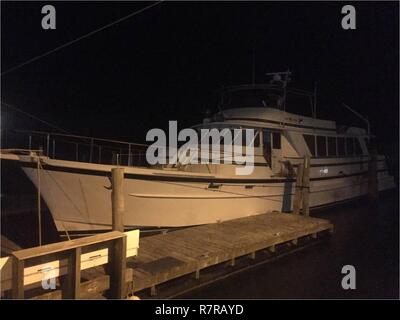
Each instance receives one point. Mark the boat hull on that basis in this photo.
(80, 200)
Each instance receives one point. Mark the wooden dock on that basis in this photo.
(160, 258)
(168, 256)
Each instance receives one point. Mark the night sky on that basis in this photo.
(167, 62)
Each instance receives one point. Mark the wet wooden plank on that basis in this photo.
(202, 246)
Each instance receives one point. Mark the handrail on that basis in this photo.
(84, 148)
(68, 259)
(45, 133)
(265, 86)
(87, 149)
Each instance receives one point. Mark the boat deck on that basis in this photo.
(164, 257)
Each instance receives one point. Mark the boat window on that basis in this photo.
(276, 140)
(257, 139)
(310, 141)
(349, 146)
(266, 137)
(239, 139)
(267, 145)
(357, 147)
(331, 146)
(321, 146)
(225, 136)
(340, 146)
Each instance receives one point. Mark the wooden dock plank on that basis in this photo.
(167, 256)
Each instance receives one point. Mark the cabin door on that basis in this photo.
(272, 149)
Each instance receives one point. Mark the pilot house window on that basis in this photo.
(357, 146)
(276, 140)
(310, 141)
(340, 146)
(331, 146)
(321, 146)
(349, 146)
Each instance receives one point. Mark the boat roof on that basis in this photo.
(276, 119)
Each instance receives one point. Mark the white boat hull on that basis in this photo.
(82, 201)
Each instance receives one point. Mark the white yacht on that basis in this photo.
(77, 190)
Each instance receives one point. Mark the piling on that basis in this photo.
(301, 202)
(117, 199)
(298, 190)
(118, 262)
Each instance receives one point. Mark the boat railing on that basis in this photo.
(76, 148)
(86, 149)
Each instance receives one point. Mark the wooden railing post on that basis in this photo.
(18, 278)
(71, 286)
(40, 266)
(117, 269)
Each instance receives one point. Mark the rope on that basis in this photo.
(33, 117)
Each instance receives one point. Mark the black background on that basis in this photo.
(165, 63)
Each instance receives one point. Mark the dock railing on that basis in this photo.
(39, 268)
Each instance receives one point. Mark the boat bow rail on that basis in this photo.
(71, 147)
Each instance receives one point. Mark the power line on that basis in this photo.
(33, 117)
(81, 37)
